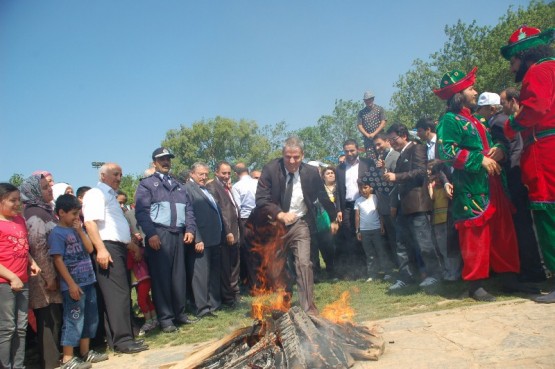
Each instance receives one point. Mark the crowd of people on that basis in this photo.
(453, 204)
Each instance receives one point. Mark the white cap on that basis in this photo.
(368, 95)
(489, 98)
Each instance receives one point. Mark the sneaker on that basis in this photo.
(429, 282)
(148, 326)
(370, 279)
(94, 357)
(399, 285)
(169, 329)
(388, 278)
(75, 363)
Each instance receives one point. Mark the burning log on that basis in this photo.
(290, 340)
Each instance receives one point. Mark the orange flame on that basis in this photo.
(339, 312)
(270, 294)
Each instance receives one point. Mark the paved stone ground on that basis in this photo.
(509, 335)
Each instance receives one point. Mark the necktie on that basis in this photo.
(288, 193)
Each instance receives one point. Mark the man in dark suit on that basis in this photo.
(414, 206)
(287, 192)
(220, 189)
(204, 257)
(350, 257)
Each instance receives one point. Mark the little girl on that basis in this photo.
(14, 292)
(141, 280)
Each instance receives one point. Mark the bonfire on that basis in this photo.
(285, 337)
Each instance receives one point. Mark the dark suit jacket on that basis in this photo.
(271, 188)
(230, 213)
(209, 229)
(411, 179)
(363, 167)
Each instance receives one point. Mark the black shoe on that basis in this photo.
(482, 295)
(208, 314)
(169, 329)
(188, 320)
(545, 299)
(132, 348)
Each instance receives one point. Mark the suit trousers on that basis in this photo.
(249, 260)
(114, 284)
(230, 262)
(297, 239)
(350, 259)
(168, 276)
(415, 236)
(205, 267)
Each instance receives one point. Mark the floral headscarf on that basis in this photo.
(31, 194)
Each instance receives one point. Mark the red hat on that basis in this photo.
(526, 37)
(455, 81)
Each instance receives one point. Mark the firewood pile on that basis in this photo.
(290, 340)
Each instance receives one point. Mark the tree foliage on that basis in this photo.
(129, 184)
(467, 45)
(16, 179)
(218, 139)
(325, 140)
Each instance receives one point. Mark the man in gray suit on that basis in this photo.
(205, 257)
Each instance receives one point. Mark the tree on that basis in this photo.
(129, 184)
(16, 179)
(466, 46)
(218, 139)
(325, 140)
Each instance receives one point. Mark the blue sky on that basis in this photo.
(104, 80)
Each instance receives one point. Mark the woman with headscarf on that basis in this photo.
(61, 188)
(44, 294)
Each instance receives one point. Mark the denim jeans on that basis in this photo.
(377, 257)
(415, 237)
(13, 325)
(80, 317)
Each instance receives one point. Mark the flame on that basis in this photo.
(270, 294)
(339, 312)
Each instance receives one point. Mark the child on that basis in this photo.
(452, 262)
(69, 247)
(141, 280)
(369, 229)
(14, 291)
(139, 269)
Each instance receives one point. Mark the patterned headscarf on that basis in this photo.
(31, 194)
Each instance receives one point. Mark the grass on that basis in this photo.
(370, 300)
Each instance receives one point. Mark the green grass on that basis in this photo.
(370, 301)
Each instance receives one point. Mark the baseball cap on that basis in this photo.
(488, 98)
(161, 152)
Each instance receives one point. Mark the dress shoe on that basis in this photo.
(132, 348)
(482, 295)
(188, 320)
(208, 314)
(545, 299)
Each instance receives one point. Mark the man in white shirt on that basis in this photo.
(426, 131)
(244, 193)
(110, 234)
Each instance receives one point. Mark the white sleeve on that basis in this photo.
(94, 206)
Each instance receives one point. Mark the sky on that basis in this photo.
(104, 80)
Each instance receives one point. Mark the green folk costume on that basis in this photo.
(460, 146)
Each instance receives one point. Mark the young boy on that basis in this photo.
(369, 230)
(69, 247)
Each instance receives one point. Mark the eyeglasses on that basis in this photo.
(391, 139)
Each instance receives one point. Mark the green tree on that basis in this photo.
(129, 184)
(217, 139)
(467, 45)
(325, 140)
(16, 179)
